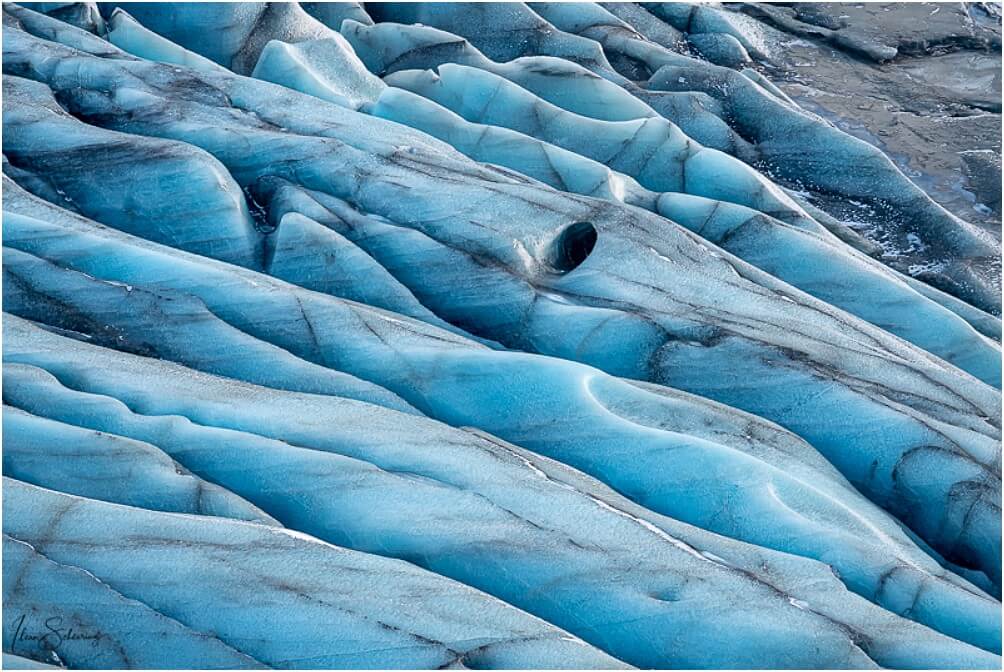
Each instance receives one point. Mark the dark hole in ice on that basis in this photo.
(571, 247)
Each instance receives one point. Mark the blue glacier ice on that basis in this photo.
(551, 243)
(12, 662)
(646, 23)
(111, 468)
(128, 34)
(523, 516)
(720, 49)
(806, 257)
(701, 19)
(790, 141)
(164, 590)
(453, 335)
(652, 150)
(326, 68)
(84, 15)
(502, 31)
(765, 128)
(212, 218)
(540, 160)
(333, 14)
(819, 264)
(386, 48)
(646, 422)
(233, 35)
(757, 124)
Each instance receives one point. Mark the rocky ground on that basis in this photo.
(920, 80)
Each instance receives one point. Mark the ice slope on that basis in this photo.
(660, 157)
(128, 34)
(540, 160)
(502, 31)
(333, 14)
(809, 258)
(347, 341)
(12, 662)
(523, 528)
(819, 264)
(598, 23)
(386, 48)
(162, 313)
(654, 445)
(784, 137)
(166, 191)
(791, 143)
(355, 275)
(698, 19)
(110, 468)
(761, 126)
(646, 23)
(170, 590)
(83, 15)
(231, 34)
(652, 150)
(810, 379)
(326, 68)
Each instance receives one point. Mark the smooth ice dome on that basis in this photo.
(477, 335)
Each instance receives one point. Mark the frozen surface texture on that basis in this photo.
(492, 335)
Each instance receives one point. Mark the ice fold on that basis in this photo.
(166, 588)
(651, 444)
(511, 522)
(273, 321)
(725, 330)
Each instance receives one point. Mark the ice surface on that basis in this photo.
(326, 68)
(720, 49)
(606, 426)
(659, 334)
(515, 525)
(131, 36)
(698, 19)
(825, 268)
(502, 31)
(646, 23)
(274, 321)
(167, 191)
(36, 288)
(171, 590)
(231, 34)
(809, 259)
(12, 662)
(791, 142)
(111, 468)
(386, 48)
(543, 161)
(652, 150)
(333, 14)
(734, 112)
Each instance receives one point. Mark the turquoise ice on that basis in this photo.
(423, 335)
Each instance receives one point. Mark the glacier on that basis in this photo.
(175, 612)
(491, 335)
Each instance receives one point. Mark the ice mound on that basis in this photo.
(478, 336)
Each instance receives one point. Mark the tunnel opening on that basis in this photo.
(572, 246)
